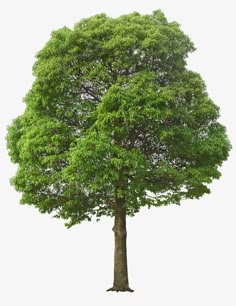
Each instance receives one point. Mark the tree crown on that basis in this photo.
(114, 113)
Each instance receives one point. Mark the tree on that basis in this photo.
(115, 121)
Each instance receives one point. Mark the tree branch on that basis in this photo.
(90, 92)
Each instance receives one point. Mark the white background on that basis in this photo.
(178, 255)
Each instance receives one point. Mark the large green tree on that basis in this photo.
(115, 121)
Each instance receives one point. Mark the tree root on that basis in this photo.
(117, 289)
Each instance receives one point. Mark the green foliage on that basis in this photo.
(114, 113)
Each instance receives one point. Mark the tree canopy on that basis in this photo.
(114, 113)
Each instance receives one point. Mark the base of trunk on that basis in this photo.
(117, 289)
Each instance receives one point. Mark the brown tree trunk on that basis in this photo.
(121, 282)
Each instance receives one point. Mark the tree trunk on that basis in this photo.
(121, 282)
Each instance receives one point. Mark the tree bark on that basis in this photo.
(121, 282)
